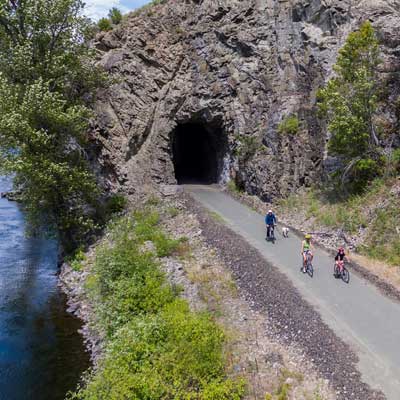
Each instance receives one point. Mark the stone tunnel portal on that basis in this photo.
(198, 153)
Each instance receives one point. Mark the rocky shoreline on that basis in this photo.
(72, 284)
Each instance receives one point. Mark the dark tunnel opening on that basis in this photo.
(197, 153)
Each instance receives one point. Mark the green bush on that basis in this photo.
(104, 24)
(76, 261)
(289, 126)
(115, 16)
(115, 204)
(156, 347)
(393, 162)
(365, 170)
(233, 187)
(175, 354)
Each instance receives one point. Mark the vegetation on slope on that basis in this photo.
(357, 198)
(372, 217)
(156, 348)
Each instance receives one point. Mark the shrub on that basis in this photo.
(233, 187)
(173, 355)
(173, 212)
(157, 348)
(393, 162)
(115, 16)
(115, 204)
(247, 148)
(76, 262)
(289, 126)
(365, 170)
(104, 24)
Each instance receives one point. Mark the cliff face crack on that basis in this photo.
(197, 153)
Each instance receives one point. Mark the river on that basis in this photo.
(41, 353)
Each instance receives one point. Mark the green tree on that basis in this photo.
(349, 103)
(46, 85)
(115, 15)
(104, 24)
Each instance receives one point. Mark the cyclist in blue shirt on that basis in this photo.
(270, 221)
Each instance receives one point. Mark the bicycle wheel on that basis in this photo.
(345, 275)
(336, 271)
(310, 268)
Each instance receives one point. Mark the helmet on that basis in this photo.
(307, 236)
(341, 250)
(269, 211)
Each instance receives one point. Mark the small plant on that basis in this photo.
(247, 147)
(283, 392)
(232, 187)
(115, 16)
(172, 212)
(115, 204)
(153, 200)
(76, 262)
(289, 126)
(148, 7)
(104, 24)
(393, 162)
(216, 217)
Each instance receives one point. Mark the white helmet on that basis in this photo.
(269, 211)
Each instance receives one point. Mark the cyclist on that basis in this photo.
(270, 221)
(306, 248)
(340, 258)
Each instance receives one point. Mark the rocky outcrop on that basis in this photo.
(238, 68)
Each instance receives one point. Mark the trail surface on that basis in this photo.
(358, 313)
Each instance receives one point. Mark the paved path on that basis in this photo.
(357, 312)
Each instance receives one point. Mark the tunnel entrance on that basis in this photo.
(198, 153)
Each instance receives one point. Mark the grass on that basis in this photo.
(283, 390)
(232, 187)
(155, 346)
(172, 212)
(217, 217)
(147, 7)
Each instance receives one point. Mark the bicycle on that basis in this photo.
(309, 267)
(271, 232)
(341, 272)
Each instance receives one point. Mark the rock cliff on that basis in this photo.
(200, 87)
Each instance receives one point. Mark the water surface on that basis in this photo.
(41, 353)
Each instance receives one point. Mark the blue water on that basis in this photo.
(41, 353)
